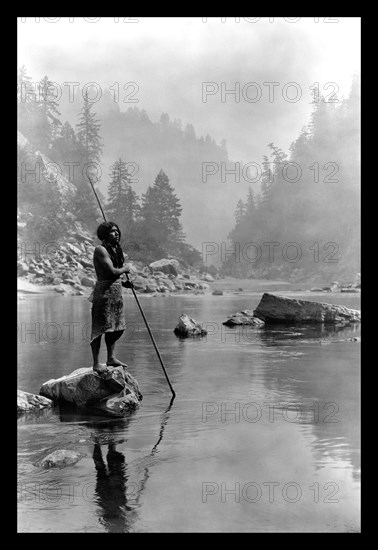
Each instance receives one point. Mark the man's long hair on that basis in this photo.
(115, 253)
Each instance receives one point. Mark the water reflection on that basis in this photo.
(116, 493)
(319, 387)
(273, 335)
(111, 489)
(145, 471)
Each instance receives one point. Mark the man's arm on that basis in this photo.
(102, 257)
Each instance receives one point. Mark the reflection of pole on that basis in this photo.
(162, 428)
(154, 449)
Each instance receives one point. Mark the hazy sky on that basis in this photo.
(170, 59)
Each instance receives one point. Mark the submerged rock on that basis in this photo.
(279, 309)
(60, 459)
(245, 317)
(115, 392)
(188, 327)
(29, 402)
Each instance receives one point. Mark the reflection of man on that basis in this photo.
(111, 487)
(107, 302)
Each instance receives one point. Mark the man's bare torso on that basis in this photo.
(100, 264)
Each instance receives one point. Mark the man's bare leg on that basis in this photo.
(110, 340)
(95, 345)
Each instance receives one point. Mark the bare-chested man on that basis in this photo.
(107, 302)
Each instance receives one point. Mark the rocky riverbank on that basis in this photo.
(67, 269)
(343, 287)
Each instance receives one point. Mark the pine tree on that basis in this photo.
(88, 132)
(250, 208)
(189, 132)
(49, 123)
(68, 152)
(88, 135)
(26, 97)
(266, 183)
(223, 147)
(161, 211)
(66, 141)
(26, 102)
(123, 205)
(144, 118)
(164, 120)
(240, 212)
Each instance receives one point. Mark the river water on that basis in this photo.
(263, 436)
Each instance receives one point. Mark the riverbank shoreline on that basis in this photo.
(26, 289)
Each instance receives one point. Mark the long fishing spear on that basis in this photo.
(140, 307)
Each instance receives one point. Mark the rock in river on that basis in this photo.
(60, 459)
(116, 392)
(28, 402)
(279, 309)
(245, 317)
(188, 327)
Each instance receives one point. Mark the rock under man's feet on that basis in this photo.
(115, 363)
(100, 369)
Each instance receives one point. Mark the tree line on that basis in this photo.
(150, 223)
(309, 198)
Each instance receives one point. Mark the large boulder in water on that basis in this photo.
(280, 309)
(188, 327)
(116, 392)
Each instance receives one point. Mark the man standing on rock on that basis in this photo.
(107, 302)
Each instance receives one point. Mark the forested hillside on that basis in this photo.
(299, 218)
(138, 191)
(308, 209)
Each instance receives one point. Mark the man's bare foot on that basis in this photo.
(115, 363)
(100, 368)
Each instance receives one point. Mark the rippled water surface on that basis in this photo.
(264, 433)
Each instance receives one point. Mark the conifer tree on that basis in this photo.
(26, 103)
(123, 206)
(48, 113)
(88, 132)
(250, 207)
(266, 183)
(240, 212)
(161, 211)
(88, 135)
